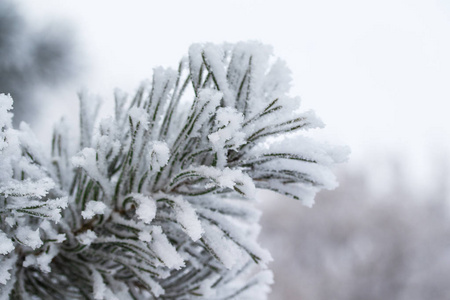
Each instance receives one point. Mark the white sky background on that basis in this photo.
(377, 72)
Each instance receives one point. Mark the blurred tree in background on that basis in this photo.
(356, 245)
(32, 57)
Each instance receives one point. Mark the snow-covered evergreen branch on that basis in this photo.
(158, 201)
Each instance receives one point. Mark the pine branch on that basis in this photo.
(157, 201)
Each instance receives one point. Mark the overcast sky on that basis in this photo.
(377, 72)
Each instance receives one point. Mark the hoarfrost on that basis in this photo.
(164, 250)
(87, 237)
(87, 159)
(229, 121)
(11, 221)
(187, 217)
(55, 207)
(42, 260)
(146, 210)
(208, 100)
(155, 287)
(29, 237)
(158, 155)
(94, 208)
(6, 245)
(213, 58)
(6, 264)
(225, 250)
(145, 236)
(206, 287)
(228, 178)
(27, 187)
(139, 116)
(99, 285)
(51, 233)
(6, 103)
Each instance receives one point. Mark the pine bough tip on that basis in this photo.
(155, 204)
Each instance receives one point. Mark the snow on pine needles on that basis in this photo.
(158, 200)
